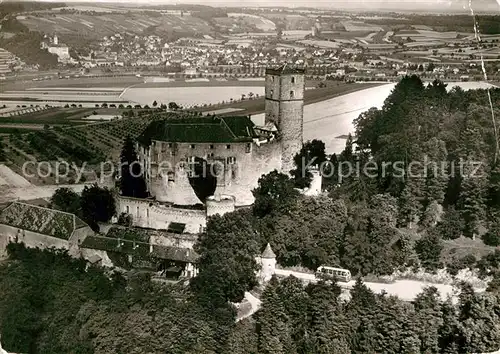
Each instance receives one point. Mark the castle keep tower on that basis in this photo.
(285, 108)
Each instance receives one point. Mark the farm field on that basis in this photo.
(86, 143)
(79, 25)
(258, 22)
(189, 96)
(61, 96)
(100, 83)
(51, 116)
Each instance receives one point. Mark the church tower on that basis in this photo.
(285, 108)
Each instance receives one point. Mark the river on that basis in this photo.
(331, 119)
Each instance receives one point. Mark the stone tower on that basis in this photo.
(268, 262)
(285, 107)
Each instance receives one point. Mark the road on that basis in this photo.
(254, 306)
(406, 290)
(15, 187)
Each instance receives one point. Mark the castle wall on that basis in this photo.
(77, 237)
(150, 214)
(238, 167)
(172, 240)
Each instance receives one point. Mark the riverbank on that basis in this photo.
(257, 105)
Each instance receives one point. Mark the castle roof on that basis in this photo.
(268, 252)
(200, 130)
(41, 220)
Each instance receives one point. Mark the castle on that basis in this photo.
(196, 167)
(53, 46)
(215, 162)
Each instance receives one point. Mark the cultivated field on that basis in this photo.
(258, 22)
(67, 136)
(97, 26)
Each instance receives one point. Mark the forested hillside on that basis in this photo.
(50, 303)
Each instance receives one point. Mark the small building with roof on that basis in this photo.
(133, 248)
(267, 262)
(40, 227)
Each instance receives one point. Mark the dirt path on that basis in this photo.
(253, 302)
(9, 194)
(406, 290)
(11, 179)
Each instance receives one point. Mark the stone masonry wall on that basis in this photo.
(242, 164)
(172, 240)
(30, 239)
(150, 214)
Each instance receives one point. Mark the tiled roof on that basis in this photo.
(141, 249)
(268, 252)
(116, 245)
(42, 220)
(200, 130)
(174, 253)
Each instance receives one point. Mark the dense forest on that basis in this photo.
(51, 303)
(370, 224)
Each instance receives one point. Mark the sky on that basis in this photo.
(442, 6)
(493, 4)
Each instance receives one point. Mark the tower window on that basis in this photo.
(228, 147)
(293, 79)
(211, 147)
(272, 92)
(231, 160)
(249, 147)
(292, 94)
(192, 146)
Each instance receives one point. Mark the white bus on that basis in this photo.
(340, 274)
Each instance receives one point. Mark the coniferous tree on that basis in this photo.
(428, 319)
(132, 182)
(98, 204)
(429, 249)
(273, 326)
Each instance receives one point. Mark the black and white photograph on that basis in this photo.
(257, 177)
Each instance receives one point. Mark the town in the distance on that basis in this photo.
(249, 179)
